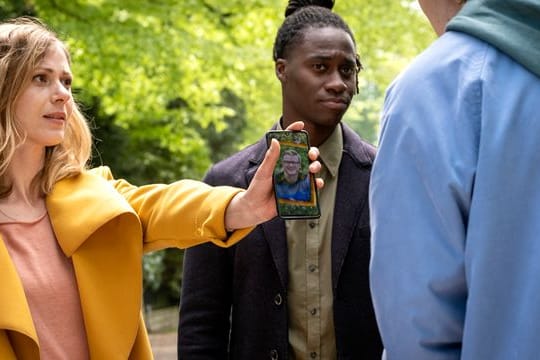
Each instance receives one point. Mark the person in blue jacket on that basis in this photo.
(455, 201)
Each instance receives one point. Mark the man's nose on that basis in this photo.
(336, 82)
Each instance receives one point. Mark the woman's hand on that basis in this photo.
(257, 204)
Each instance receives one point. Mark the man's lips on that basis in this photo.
(336, 103)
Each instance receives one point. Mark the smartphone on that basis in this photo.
(294, 186)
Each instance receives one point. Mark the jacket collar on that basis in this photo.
(351, 197)
(98, 228)
(15, 313)
(274, 230)
(78, 206)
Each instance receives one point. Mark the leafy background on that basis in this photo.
(173, 86)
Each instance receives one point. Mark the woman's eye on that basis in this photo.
(40, 78)
(67, 82)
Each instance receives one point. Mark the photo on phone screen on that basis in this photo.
(294, 186)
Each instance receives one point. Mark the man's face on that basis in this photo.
(318, 77)
(291, 167)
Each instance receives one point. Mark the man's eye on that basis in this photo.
(347, 70)
(319, 67)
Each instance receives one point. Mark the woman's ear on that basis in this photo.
(280, 66)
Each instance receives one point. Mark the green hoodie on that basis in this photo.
(512, 26)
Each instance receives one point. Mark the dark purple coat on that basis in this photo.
(248, 282)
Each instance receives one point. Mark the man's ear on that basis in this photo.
(280, 67)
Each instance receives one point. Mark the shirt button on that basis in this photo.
(273, 354)
(313, 311)
(313, 355)
(312, 268)
(312, 225)
(278, 300)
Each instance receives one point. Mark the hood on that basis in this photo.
(512, 26)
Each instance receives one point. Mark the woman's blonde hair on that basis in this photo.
(24, 42)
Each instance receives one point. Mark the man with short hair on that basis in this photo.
(291, 183)
(294, 289)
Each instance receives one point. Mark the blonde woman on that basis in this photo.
(72, 239)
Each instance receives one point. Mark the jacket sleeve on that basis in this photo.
(182, 214)
(206, 298)
(420, 196)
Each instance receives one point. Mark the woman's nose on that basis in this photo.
(61, 93)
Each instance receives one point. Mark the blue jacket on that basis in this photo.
(251, 279)
(455, 206)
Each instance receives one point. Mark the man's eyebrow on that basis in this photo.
(320, 57)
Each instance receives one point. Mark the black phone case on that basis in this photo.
(294, 201)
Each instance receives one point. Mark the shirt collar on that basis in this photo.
(330, 151)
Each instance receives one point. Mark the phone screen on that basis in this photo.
(294, 186)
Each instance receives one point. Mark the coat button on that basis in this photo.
(313, 355)
(278, 300)
(312, 224)
(274, 354)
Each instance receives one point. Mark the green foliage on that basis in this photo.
(172, 86)
(137, 57)
(13, 8)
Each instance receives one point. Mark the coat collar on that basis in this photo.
(98, 228)
(80, 205)
(351, 197)
(15, 313)
(274, 230)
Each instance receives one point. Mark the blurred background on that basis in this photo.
(172, 86)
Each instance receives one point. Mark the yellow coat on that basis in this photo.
(105, 226)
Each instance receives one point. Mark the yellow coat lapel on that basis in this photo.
(100, 231)
(81, 205)
(15, 315)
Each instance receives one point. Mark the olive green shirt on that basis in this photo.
(310, 297)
